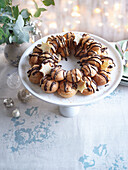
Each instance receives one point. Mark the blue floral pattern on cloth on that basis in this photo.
(33, 128)
(100, 158)
(111, 96)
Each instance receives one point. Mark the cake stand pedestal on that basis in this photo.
(68, 111)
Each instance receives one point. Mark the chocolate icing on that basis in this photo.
(35, 69)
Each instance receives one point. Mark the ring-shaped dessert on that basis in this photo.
(95, 65)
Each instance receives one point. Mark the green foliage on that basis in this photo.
(14, 24)
(48, 2)
(15, 10)
(38, 12)
(20, 31)
(4, 3)
(25, 14)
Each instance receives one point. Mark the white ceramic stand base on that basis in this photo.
(67, 111)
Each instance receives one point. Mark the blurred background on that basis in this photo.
(106, 18)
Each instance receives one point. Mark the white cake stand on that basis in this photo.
(69, 107)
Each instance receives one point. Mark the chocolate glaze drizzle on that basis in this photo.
(39, 50)
(55, 71)
(45, 81)
(104, 75)
(34, 70)
(88, 68)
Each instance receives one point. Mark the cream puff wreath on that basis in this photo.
(95, 65)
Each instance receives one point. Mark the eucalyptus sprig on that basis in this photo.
(15, 25)
(39, 10)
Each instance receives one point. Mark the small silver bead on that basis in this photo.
(8, 102)
(16, 113)
(24, 95)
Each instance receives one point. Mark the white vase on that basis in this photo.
(13, 52)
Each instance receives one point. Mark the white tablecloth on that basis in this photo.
(41, 139)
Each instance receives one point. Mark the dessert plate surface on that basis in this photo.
(78, 99)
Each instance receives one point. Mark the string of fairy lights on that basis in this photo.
(72, 16)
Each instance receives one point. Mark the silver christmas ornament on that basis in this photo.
(16, 113)
(8, 102)
(24, 95)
